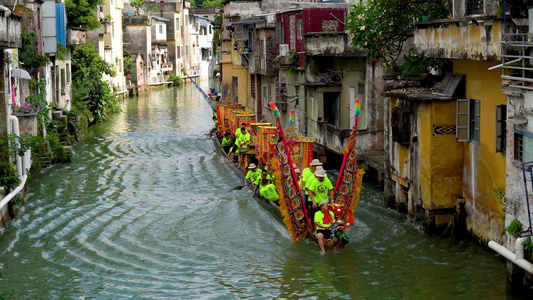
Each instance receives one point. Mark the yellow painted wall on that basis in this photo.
(482, 163)
(441, 157)
(231, 67)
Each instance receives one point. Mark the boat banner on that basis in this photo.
(291, 205)
(350, 180)
(209, 101)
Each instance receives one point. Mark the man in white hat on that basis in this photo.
(306, 173)
(323, 229)
(319, 187)
(298, 177)
(253, 173)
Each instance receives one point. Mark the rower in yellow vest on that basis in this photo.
(269, 191)
(258, 182)
(253, 173)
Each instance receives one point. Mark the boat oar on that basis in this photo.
(238, 188)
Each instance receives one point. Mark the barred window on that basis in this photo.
(523, 147)
(501, 127)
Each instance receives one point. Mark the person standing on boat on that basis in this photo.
(253, 174)
(242, 142)
(319, 187)
(323, 228)
(235, 149)
(298, 177)
(239, 131)
(268, 191)
(307, 175)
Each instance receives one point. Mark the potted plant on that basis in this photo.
(423, 67)
(498, 6)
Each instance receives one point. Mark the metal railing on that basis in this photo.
(517, 60)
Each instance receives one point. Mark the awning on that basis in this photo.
(517, 121)
(248, 22)
(19, 73)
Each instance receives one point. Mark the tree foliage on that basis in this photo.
(88, 86)
(128, 65)
(381, 27)
(82, 13)
(212, 3)
(137, 4)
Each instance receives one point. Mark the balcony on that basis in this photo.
(517, 61)
(10, 29)
(76, 37)
(166, 67)
(329, 44)
(474, 38)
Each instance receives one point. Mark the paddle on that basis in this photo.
(238, 188)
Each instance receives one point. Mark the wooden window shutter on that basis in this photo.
(477, 122)
(501, 127)
(463, 111)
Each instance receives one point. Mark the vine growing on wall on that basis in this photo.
(28, 52)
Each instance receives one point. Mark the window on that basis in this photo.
(177, 24)
(468, 120)
(62, 78)
(161, 29)
(178, 52)
(280, 33)
(68, 72)
(265, 93)
(331, 108)
(210, 28)
(299, 29)
(186, 50)
(523, 146)
(501, 126)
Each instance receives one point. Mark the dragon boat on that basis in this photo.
(279, 150)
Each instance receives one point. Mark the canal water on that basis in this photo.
(147, 210)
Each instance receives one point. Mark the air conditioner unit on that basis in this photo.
(284, 49)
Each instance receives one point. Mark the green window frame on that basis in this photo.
(468, 120)
(501, 128)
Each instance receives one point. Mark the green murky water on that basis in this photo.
(145, 210)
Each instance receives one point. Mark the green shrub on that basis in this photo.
(8, 177)
(515, 227)
(176, 80)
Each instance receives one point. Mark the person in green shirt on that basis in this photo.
(306, 173)
(269, 191)
(253, 173)
(226, 142)
(319, 188)
(298, 177)
(323, 231)
(258, 182)
(239, 130)
(244, 139)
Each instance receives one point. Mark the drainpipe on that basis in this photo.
(22, 165)
(517, 257)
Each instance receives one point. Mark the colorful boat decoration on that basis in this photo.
(278, 150)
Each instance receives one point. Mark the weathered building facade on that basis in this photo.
(441, 147)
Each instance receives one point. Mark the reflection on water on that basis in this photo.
(146, 210)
